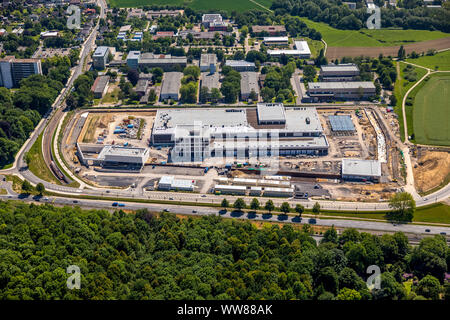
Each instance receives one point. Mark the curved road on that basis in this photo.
(53, 120)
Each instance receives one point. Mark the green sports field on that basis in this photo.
(372, 38)
(440, 60)
(225, 5)
(431, 112)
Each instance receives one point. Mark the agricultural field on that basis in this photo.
(372, 38)
(440, 60)
(431, 114)
(228, 5)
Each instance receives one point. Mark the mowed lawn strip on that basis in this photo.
(431, 111)
(226, 5)
(440, 60)
(372, 38)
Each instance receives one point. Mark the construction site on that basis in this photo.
(96, 142)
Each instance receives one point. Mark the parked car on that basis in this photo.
(121, 204)
(115, 204)
(427, 230)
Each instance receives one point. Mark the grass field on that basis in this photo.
(435, 213)
(371, 38)
(441, 60)
(401, 87)
(431, 111)
(37, 164)
(226, 5)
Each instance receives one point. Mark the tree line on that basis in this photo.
(150, 256)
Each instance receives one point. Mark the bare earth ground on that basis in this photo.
(424, 46)
(432, 168)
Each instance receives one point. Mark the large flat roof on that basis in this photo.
(341, 85)
(298, 119)
(302, 46)
(206, 59)
(271, 112)
(359, 167)
(171, 82)
(276, 39)
(347, 67)
(249, 82)
(121, 151)
(210, 80)
(239, 63)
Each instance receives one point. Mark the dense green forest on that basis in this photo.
(145, 256)
(413, 15)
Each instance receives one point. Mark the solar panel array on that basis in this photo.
(341, 123)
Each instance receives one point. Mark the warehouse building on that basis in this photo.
(249, 84)
(197, 134)
(278, 192)
(269, 30)
(301, 50)
(271, 113)
(240, 65)
(340, 72)
(170, 183)
(276, 41)
(227, 189)
(210, 80)
(100, 86)
(361, 170)
(355, 90)
(112, 156)
(166, 62)
(171, 86)
(100, 57)
(208, 62)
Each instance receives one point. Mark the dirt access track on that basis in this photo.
(419, 47)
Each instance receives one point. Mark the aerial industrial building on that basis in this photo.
(100, 86)
(249, 84)
(209, 18)
(208, 62)
(171, 86)
(197, 134)
(240, 65)
(269, 30)
(210, 80)
(340, 72)
(166, 62)
(362, 170)
(352, 90)
(112, 156)
(301, 51)
(276, 41)
(170, 183)
(13, 70)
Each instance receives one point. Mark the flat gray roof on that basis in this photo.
(210, 80)
(358, 167)
(347, 67)
(239, 63)
(161, 58)
(101, 51)
(206, 59)
(271, 112)
(133, 55)
(142, 85)
(249, 82)
(121, 151)
(232, 119)
(171, 82)
(341, 123)
(341, 85)
(100, 84)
